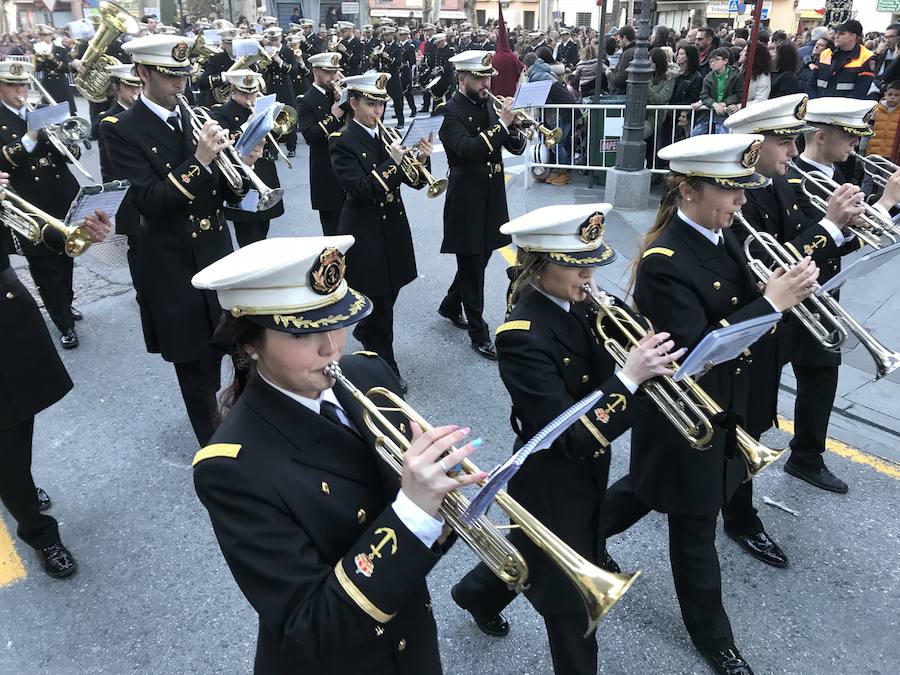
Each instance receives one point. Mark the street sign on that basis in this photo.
(888, 6)
(349, 8)
(733, 7)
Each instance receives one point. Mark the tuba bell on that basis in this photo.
(93, 80)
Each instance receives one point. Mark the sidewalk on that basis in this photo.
(866, 412)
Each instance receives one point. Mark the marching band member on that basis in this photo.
(549, 358)
(774, 209)
(425, 66)
(325, 548)
(279, 79)
(353, 52)
(691, 277)
(838, 123)
(388, 60)
(441, 66)
(212, 76)
(370, 169)
(249, 225)
(474, 136)
(51, 67)
(178, 191)
(32, 378)
(38, 173)
(319, 114)
(407, 63)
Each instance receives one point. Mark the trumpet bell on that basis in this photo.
(551, 137)
(286, 121)
(75, 130)
(270, 199)
(438, 187)
(73, 242)
(606, 590)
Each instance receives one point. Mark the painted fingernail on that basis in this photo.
(465, 430)
(477, 442)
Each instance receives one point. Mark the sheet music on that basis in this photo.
(245, 47)
(107, 197)
(725, 344)
(532, 94)
(263, 102)
(44, 117)
(859, 268)
(421, 127)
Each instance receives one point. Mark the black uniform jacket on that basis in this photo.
(280, 78)
(548, 360)
(688, 286)
(41, 177)
(54, 74)
(32, 376)
(182, 229)
(383, 260)
(806, 350)
(231, 115)
(316, 122)
(353, 59)
(391, 61)
(297, 505)
(567, 54)
(409, 52)
(476, 197)
(128, 220)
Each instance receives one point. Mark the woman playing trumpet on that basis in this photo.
(371, 168)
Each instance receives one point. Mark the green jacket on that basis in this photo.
(734, 88)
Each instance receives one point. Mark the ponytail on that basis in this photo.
(231, 336)
(528, 266)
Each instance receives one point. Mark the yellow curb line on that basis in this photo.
(11, 567)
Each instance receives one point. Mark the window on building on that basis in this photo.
(583, 19)
(481, 16)
(528, 20)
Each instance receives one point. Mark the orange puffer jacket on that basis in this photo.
(882, 143)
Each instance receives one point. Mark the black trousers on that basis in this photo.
(467, 290)
(408, 94)
(376, 331)
(330, 221)
(17, 489)
(694, 561)
(426, 98)
(248, 232)
(199, 382)
(816, 389)
(53, 276)
(290, 140)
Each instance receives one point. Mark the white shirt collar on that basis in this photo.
(126, 107)
(313, 404)
(714, 236)
(372, 132)
(19, 113)
(827, 170)
(320, 89)
(161, 112)
(565, 305)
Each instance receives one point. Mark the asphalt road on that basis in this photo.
(153, 594)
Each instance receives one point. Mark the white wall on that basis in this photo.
(869, 17)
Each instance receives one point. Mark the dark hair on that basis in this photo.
(529, 265)
(693, 57)
(610, 45)
(545, 55)
(706, 30)
(627, 32)
(787, 58)
(232, 335)
(762, 60)
(893, 85)
(763, 37)
(721, 52)
(660, 61)
(529, 59)
(741, 33)
(779, 36)
(894, 27)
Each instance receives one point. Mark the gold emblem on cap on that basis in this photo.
(800, 110)
(592, 229)
(249, 80)
(16, 69)
(180, 51)
(488, 59)
(751, 155)
(328, 271)
(381, 82)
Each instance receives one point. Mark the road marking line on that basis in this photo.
(849, 452)
(509, 255)
(11, 567)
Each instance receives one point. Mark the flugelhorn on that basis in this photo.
(551, 136)
(599, 590)
(411, 166)
(822, 315)
(73, 129)
(92, 80)
(818, 188)
(38, 226)
(877, 167)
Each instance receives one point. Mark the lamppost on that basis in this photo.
(628, 185)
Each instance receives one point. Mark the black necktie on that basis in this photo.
(329, 412)
(174, 121)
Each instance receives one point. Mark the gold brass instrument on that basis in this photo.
(260, 58)
(550, 136)
(231, 164)
(879, 168)
(92, 80)
(377, 51)
(284, 123)
(599, 590)
(818, 187)
(202, 51)
(36, 225)
(821, 315)
(411, 166)
(677, 404)
(71, 130)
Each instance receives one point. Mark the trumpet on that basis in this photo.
(599, 590)
(260, 59)
(37, 226)
(231, 164)
(822, 315)
(551, 136)
(689, 409)
(411, 166)
(818, 188)
(877, 167)
(284, 123)
(72, 129)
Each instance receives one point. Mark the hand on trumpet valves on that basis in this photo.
(844, 203)
(424, 478)
(397, 151)
(425, 146)
(651, 357)
(507, 116)
(98, 225)
(785, 289)
(891, 195)
(4, 178)
(212, 140)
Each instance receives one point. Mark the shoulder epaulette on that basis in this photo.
(438, 107)
(658, 249)
(229, 450)
(795, 180)
(334, 134)
(363, 352)
(112, 119)
(216, 105)
(513, 325)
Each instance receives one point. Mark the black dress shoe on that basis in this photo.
(43, 498)
(495, 626)
(87, 144)
(400, 125)
(57, 561)
(69, 339)
(485, 349)
(291, 154)
(76, 315)
(610, 565)
(728, 662)
(821, 478)
(457, 320)
(762, 547)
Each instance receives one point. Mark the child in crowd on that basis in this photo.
(721, 92)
